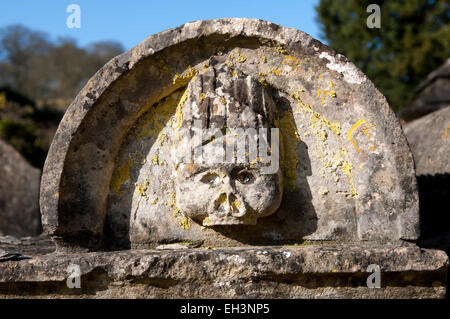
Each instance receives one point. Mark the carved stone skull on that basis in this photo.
(224, 192)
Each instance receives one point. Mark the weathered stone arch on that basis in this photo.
(354, 137)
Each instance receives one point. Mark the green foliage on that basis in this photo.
(23, 138)
(414, 39)
(27, 128)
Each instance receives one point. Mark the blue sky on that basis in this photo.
(131, 21)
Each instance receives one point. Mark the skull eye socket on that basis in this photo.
(209, 178)
(245, 177)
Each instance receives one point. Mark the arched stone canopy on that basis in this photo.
(348, 172)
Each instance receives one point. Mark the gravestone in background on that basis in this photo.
(429, 139)
(431, 95)
(333, 181)
(19, 194)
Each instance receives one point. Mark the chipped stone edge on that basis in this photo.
(246, 262)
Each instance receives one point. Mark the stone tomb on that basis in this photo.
(137, 163)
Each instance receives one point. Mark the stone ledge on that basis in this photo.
(316, 271)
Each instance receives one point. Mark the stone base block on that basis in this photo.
(313, 271)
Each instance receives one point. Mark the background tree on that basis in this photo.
(414, 39)
(24, 60)
(38, 80)
(45, 70)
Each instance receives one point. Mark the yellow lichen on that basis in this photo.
(157, 118)
(327, 92)
(122, 174)
(281, 50)
(290, 140)
(264, 59)
(154, 159)
(275, 71)
(332, 93)
(236, 204)
(291, 61)
(202, 96)
(241, 58)
(263, 82)
(179, 112)
(323, 190)
(206, 221)
(367, 130)
(222, 199)
(172, 203)
(155, 200)
(161, 137)
(185, 223)
(347, 169)
(252, 163)
(339, 159)
(335, 127)
(262, 79)
(141, 189)
(185, 77)
(444, 135)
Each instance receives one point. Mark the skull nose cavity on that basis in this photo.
(237, 207)
(229, 204)
(220, 204)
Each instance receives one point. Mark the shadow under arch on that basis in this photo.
(142, 136)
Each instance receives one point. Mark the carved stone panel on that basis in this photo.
(148, 152)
